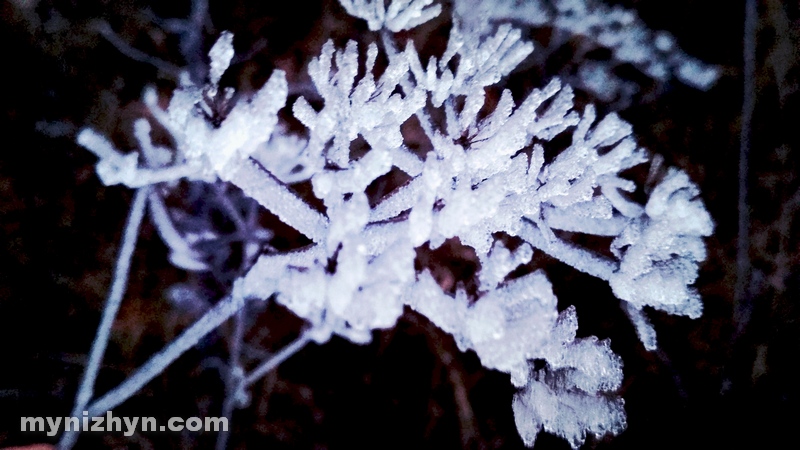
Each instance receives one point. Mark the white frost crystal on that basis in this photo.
(570, 397)
(663, 247)
(401, 14)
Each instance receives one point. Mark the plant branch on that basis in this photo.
(276, 359)
(741, 307)
(212, 319)
(233, 378)
(115, 295)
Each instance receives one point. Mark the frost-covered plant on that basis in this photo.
(485, 177)
(595, 25)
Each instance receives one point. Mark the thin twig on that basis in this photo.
(277, 359)
(235, 371)
(133, 53)
(741, 307)
(230, 209)
(233, 378)
(115, 295)
(470, 434)
(212, 319)
(455, 374)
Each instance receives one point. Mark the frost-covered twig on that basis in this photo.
(275, 196)
(233, 378)
(181, 252)
(104, 28)
(594, 25)
(233, 397)
(221, 312)
(117, 291)
(275, 360)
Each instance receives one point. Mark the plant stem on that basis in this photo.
(233, 379)
(277, 359)
(741, 307)
(212, 319)
(115, 295)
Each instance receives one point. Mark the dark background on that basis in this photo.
(707, 385)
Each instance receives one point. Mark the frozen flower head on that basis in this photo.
(485, 176)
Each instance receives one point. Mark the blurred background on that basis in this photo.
(724, 380)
